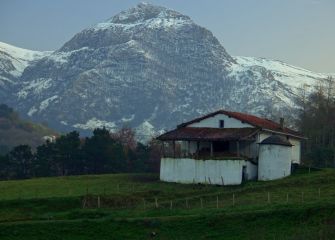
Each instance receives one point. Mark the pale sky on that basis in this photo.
(299, 32)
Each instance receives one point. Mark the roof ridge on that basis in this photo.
(246, 118)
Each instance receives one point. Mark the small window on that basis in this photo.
(221, 124)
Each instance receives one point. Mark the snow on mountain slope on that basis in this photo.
(285, 73)
(13, 61)
(150, 68)
(20, 58)
(146, 15)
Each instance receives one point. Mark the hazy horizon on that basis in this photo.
(298, 32)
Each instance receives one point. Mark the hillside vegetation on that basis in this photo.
(139, 206)
(16, 131)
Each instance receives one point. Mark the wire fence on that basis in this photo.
(217, 200)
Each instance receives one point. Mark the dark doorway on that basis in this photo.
(221, 146)
(244, 174)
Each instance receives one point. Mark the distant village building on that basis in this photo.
(227, 148)
(50, 138)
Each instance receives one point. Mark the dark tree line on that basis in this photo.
(103, 152)
(317, 123)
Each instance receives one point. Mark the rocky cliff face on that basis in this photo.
(150, 68)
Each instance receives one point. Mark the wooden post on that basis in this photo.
(98, 201)
(269, 200)
(286, 197)
(212, 149)
(84, 202)
(156, 202)
(188, 148)
(174, 149)
(217, 202)
(163, 149)
(201, 204)
(233, 199)
(170, 204)
(238, 148)
(186, 203)
(222, 181)
(198, 148)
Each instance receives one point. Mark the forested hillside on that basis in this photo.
(317, 123)
(15, 131)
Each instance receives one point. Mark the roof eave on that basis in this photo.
(284, 133)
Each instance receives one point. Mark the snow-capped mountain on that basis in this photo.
(13, 61)
(150, 68)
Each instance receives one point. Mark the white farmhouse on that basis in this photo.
(227, 148)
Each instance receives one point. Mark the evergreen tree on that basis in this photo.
(45, 160)
(4, 167)
(67, 154)
(20, 162)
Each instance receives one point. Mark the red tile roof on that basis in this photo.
(213, 134)
(247, 118)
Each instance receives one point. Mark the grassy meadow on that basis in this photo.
(139, 206)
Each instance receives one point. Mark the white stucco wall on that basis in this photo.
(296, 150)
(274, 162)
(186, 170)
(213, 122)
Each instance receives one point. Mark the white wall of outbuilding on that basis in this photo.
(274, 162)
(221, 172)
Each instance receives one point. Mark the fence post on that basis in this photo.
(98, 201)
(84, 202)
(201, 203)
(186, 203)
(222, 181)
(286, 197)
(156, 202)
(319, 193)
(217, 202)
(233, 199)
(170, 204)
(269, 200)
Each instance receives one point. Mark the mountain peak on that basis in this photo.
(145, 11)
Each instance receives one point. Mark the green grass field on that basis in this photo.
(139, 206)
